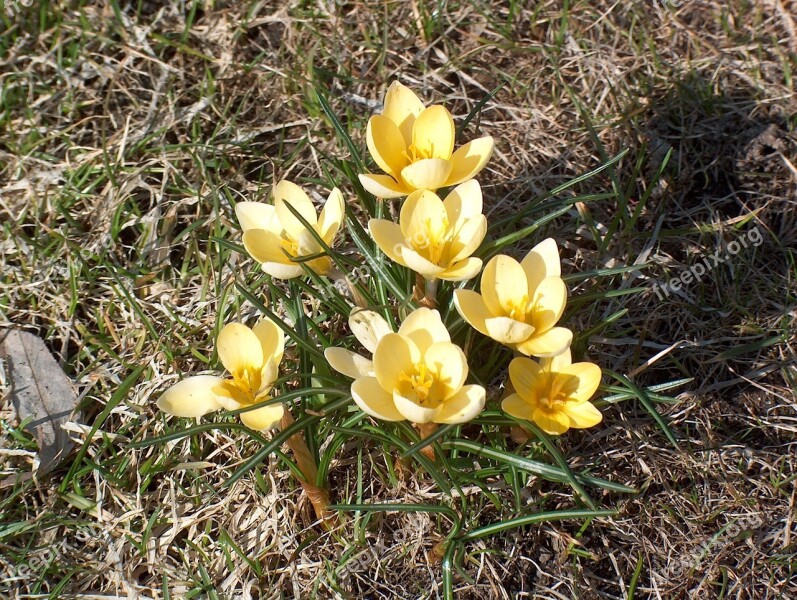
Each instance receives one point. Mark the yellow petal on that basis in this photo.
(526, 377)
(469, 159)
(508, 331)
(373, 400)
(433, 133)
(254, 215)
(331, 216)
(383, 186)
(424, 327)
(265, 246)
(503, 285)
(468, 237)
(549, 302)
(464, 406)
(369, 327)
(586, 377)
(462, 270)
(402, 107)
(282, 270)
(389, 238)
(421, 211)
(394, 355)
(552, 342)
(428, 174)
(239, 349)
(448, 361)
(583, 415)
(285, 193)
(264, 418)
(272, 339)
(542, 261)
(411, 411)
(558, 362)
(386, 145)
(464, 202)
(552, 422)
(419, 264)
(349, 363)
(192, 397)
(516, 406)
(472, 308)
(268, 374)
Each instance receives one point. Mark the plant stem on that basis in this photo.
(430, 299)
(427, 429)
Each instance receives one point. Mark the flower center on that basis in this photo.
(414, 154)
(517, 308)
(248, 382)
(420, 382)
(290, 246)
(431, 241)
(554, 401)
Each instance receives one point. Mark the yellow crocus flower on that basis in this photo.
(252, 357)
(414, 145)
(419, 376)
(520, 303)
(275, 238)
(554, 394)
(436, 237)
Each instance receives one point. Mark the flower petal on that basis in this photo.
(542, 261)
(552, 342)
(433, 133)
(462, 407)
(272, 339)
(462, 270)
(265, 246)
(261, 419)
(468, 237)
(583, 415)
(331, 216)
(373, 400)
(282, 270)
(426, 174)
(419, 264)
(239, 349)
(526, 377)
(449, 362)
(508, 331)
(503, 285)
(402, 107)
(369, 327)
(469, 159)
(191, 397)
(411, 411)
(254, 215)
(472, 308)
(558, 362)
(548, 303)
(421, 211)
(386, 145)
(516, 406)
(463, 203)
(383, 186)
(286, 192)
(394, 355)
(424, 327)
(349, 363)
(389, 238)
(586, 377)
(552, 422)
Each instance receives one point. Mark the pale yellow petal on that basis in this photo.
(472, 308)
(462, 270)
(464, 406)
(264, 418)
(424, 327)
(402, 107)
(331, 216)
(268, 374)
(558, 362)
(508, 331)
(516, 406)
(449, 362)
(386, 145)
(389, 238)
(526, 377)
(254, 215)
(265, 246)
(369, 327)
(421, 211)
(383, 186)
(373, 400)
(411, 411)
(552, 342)
(349, 363)
(272, 339)
(427, 174)
(239, 349)
(549, 301)
(552, 422)
(282, 270)
(192, 397)
(394, 355)
(586, 377)
(286, 192)
(463, 203)
(542, 261)
(419, 264)
(503, 286)
(583, 415)
(433, 133)
(469, 159)
(468, 238)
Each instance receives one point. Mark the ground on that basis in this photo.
(130, 129)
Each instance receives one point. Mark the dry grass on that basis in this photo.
(128, 133)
